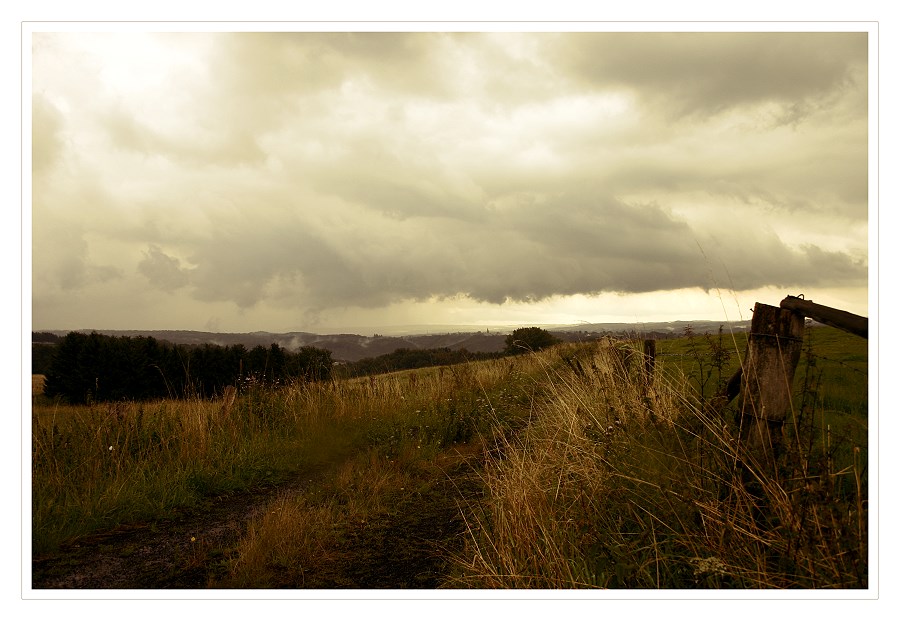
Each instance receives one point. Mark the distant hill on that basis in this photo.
(675, 328)
(353, 347)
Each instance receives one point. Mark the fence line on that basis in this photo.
(766, 375)
(764, 381)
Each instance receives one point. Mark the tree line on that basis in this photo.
(84, 368)
(96, 367)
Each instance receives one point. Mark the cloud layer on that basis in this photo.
(308, 172)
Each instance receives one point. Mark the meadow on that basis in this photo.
(564, 468)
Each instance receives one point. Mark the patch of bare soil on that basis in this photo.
(406, 548)
(177, 553)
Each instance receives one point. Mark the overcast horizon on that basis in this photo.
(316, 182)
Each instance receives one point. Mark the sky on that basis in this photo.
(340, 181)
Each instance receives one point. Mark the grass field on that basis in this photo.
(585, 476)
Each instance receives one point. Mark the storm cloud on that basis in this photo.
(259, 176)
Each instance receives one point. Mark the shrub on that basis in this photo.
(529, 339)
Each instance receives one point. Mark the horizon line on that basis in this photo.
(405, 327)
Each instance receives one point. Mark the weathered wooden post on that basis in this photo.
(773, 351)
(649, 365)
(855, 324)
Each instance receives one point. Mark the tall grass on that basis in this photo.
(98, 466)
(412, 427)
(593, 475)
(619, 483)
(294, 541)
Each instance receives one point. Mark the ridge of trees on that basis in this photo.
(84, 368)
(95, 367)
(45, 337)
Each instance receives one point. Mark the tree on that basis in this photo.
(66, 376)
(529, 339)
(311, 364)
(42, 357)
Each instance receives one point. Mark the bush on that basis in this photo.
(529, 339)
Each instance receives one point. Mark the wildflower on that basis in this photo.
(711, 565)
(193, 539)
(110, 448)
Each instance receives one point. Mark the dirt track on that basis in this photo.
(406, 549)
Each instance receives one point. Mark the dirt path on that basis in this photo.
(161, 554)
(410, 547)
(406, 549)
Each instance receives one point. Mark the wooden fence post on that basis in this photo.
(774, 346)
(855, 324)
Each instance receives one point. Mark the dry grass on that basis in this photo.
(297, 535)
(97, 466)
(416, 425)
(593, 477)
(619, 484)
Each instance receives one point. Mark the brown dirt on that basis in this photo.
(407, 548)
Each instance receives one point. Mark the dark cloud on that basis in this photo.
(697, 74)
(394, 184)
(310, 172)
(532, 250)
